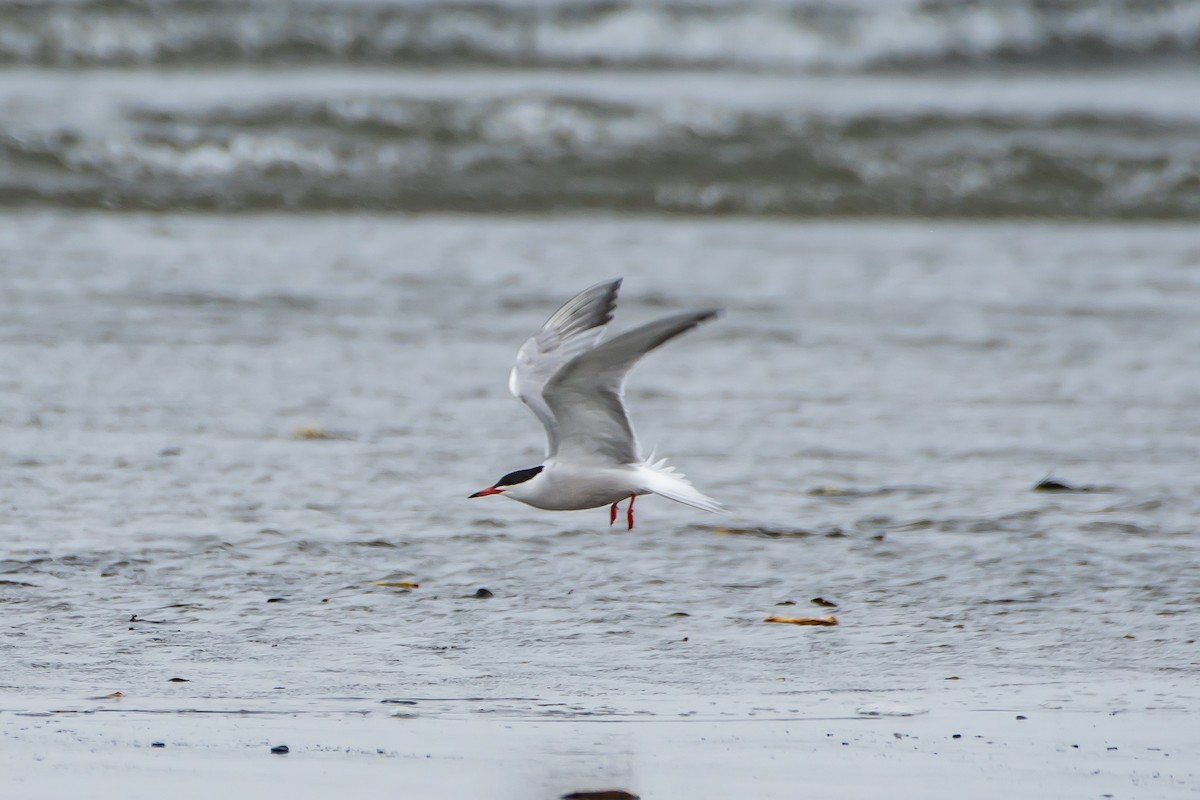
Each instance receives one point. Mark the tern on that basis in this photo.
(575, 386)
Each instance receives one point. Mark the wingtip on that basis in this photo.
(705, 315)
(612, 284)
(614, 287)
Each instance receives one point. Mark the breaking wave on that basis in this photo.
(530, 152)
(767, 34)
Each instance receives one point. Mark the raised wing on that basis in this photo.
(573, 329)
(586, 395)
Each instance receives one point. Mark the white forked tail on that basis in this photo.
(662, 479)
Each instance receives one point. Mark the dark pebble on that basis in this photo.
(821, 601)
(956, 736)
(280, 749)
(601, 794)
(393, 701)
(1022, 716)
(276, 599)
(158, 744)
(178, 680)
(482, 594)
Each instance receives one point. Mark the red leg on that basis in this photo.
(612, 515)
(629, 513)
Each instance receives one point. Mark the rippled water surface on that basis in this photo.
(792, 108)
(875, 409)
(264, 267)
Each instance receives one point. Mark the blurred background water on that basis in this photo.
(1063, 108)
(957, 246)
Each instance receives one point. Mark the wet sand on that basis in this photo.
(875, 408)
(1096, 739)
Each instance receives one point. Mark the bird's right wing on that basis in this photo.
(574, 329)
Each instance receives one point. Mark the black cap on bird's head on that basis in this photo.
(511, 479)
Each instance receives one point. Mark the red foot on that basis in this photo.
(612, 515)
(629, 513)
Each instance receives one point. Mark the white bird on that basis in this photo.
(576, 386)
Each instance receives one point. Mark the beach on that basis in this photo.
(255, 480)
(1062, 740)
(264, 269)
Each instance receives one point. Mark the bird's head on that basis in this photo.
(511, 479)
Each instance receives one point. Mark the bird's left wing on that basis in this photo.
(586, 396)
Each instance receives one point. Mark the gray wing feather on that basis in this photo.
(586, 396)
(573, 329)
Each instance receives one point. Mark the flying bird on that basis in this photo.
(575, 385)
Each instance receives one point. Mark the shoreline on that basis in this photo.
(1096, 737)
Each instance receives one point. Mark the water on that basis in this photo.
(956, 246)
(902, 107)
(875, 408)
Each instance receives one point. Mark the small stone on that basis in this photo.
(158, 744)
(1022, 716)
(819, 621)
(309, 433)
(482, 594)
(1053, 485)
(280, 749)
